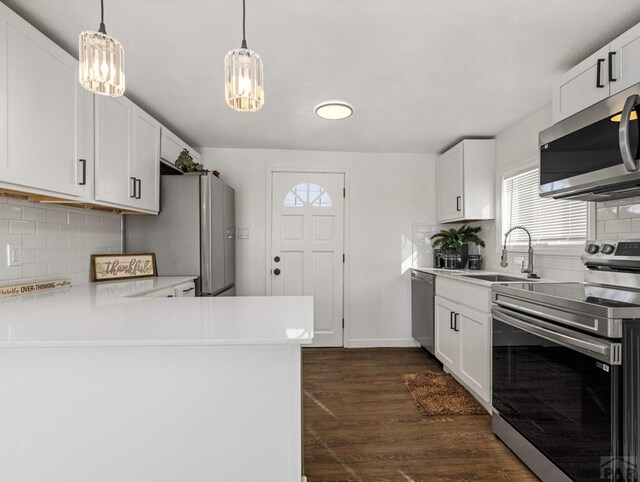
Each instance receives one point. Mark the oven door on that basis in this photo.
(593, 155)
(556, 390)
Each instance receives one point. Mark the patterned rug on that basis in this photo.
(438, 393)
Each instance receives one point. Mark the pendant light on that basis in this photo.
(101, 61)
(243, 76)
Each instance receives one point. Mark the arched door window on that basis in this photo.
(307, 194)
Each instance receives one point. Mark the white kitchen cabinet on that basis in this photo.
(608, 71)
(584, 85)
(475, 349)
(447, 344)
(114, 175)
(45, 115)
(463, 334)
(146, 161)
(127, 167)
(466, 180)
(624, 56)
(171, 146)
(186, 290)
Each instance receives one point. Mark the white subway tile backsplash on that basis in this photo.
(617, 226)
(607, 213)
(22, 227)
(8, 211)
(56, 241)
(629, 211)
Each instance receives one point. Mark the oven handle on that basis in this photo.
(602, 350)
(628, 158)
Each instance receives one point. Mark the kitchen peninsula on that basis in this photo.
(100, 382)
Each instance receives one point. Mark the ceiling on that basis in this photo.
(421, 74)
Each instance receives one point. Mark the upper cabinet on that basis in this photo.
(45, 115)
(127, 166)
(171, 146)
(610, 70)
(466, 180)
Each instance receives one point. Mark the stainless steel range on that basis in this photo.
(566, 369)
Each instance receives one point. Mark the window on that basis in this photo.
(307, 194)
(550, 221)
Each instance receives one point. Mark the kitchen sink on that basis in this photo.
(497, 278)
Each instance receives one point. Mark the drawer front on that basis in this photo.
(476, 297)
(186, 290)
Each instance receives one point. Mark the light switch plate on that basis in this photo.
(14, 255)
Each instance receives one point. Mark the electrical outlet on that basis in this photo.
(14, 255)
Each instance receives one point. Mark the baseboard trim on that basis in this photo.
(382, 343)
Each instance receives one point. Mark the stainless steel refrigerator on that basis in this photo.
(194, 234)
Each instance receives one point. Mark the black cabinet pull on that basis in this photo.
(599, 73)
(276, 272)
(84, 172)
(611, 77)
(451, 315)
(277, 259)
(139, 181)
(133, 179)
(455, 321)
(458, 199)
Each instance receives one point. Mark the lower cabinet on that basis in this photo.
(462, 344)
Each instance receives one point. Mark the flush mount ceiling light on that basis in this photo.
(243, 76)
(334, 110)
(101, 61)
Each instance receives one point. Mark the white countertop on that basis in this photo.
(106, 314)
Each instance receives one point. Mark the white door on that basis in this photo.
(42, 112)
(584, 85)
(447, 341)
(307, 246)
(475, 342)
(147, 160)
(114, 176)
(623, 56)
(451, 184)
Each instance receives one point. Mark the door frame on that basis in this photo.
(346, 272)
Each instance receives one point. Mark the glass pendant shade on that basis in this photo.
(243, 77)
(101, 64)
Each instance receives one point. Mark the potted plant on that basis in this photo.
(187, 164)
(456, 241)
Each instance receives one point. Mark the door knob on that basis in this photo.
(277, 259)
(276, 271)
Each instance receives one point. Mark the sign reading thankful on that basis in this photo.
(31, 288)
(105, 267)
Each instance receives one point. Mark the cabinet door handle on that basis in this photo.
(599, 73)
(611, 77)
(133, 180)
(188, 290)
(458, 199)
(455, 322)
(451, 315)
(139, 181)
(84, 172)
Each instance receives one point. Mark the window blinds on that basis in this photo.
(550, 221)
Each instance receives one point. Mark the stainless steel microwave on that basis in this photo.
(594, 154)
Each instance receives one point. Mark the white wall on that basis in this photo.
(387, 193)
(56, 242)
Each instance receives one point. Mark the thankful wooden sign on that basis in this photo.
(32, 288)
(106, 267)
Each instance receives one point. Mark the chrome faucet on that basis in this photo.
(503, 259)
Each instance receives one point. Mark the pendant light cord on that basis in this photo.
(244, 14)
(102, 28)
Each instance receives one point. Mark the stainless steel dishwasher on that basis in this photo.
(423, 290)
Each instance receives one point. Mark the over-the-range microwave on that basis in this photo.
(594, 154)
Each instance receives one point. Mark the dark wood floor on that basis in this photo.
(361, 424)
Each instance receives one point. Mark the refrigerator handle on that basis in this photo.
(206, 285)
